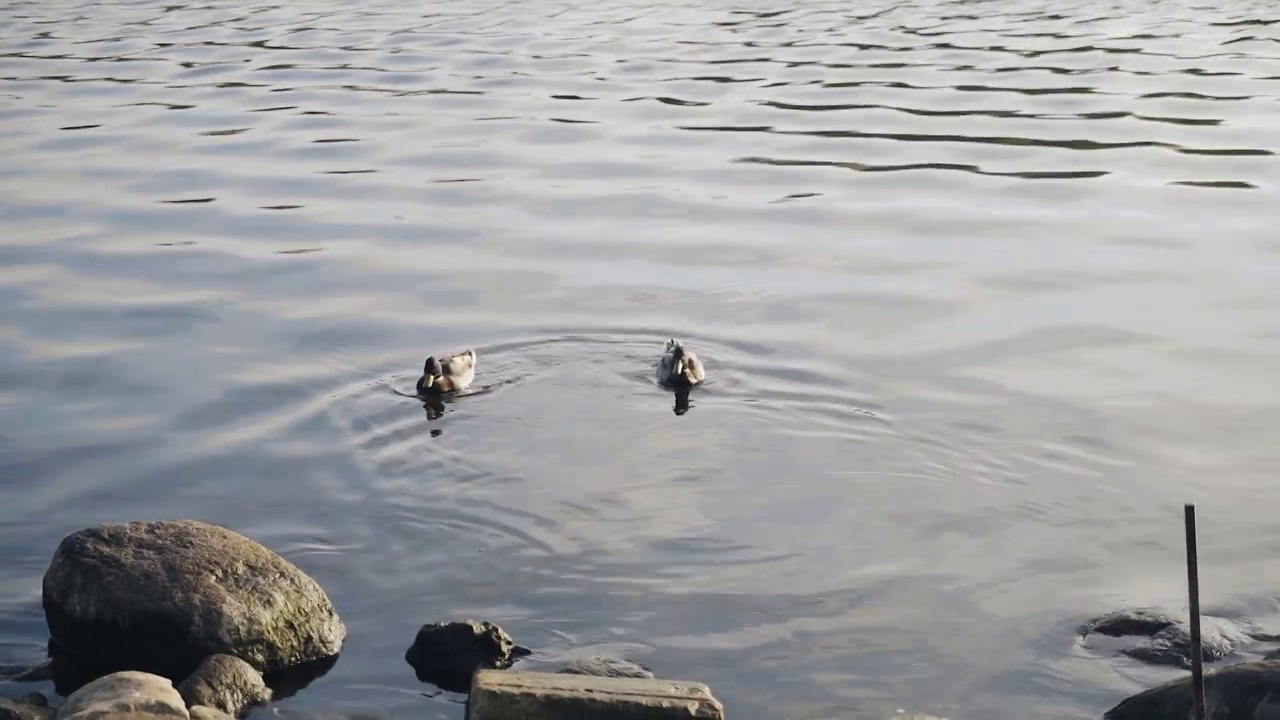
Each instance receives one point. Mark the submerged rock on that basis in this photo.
(225, 683)
(162, 596)
(1169, 635)
(1245, 691)
(128, 693)
(607, 667)
(1143, 621)
(447, 654)
(33, 706)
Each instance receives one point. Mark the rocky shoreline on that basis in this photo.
(1248, 690)
(183, 619)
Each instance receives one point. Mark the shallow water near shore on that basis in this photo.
(985, 292)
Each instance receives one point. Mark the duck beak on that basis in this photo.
(680, 366)
(430, 380)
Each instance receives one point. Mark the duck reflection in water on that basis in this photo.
(434, 407)
(682, 401)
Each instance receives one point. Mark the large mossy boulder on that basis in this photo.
(161, 596)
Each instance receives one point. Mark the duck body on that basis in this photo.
(450, 373)
(678, 367)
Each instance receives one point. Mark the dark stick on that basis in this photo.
(1193, 590)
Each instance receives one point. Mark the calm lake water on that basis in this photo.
(985, 290)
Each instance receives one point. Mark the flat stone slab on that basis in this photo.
(507, 695)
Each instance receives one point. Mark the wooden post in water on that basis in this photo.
(1193, 592)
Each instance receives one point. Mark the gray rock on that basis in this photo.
(446, 654)
(606, 667)
(1245, 691)
(225, 683)
(162, 596)
(555, 696)
(32, 707)
(1169, 635)
(204, 712)
(122, 694)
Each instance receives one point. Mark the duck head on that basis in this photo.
(431, 372)
(677, 359)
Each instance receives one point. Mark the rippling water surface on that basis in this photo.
(986, 290)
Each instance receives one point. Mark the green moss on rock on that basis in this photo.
(161, 596)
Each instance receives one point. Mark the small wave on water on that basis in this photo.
(572, 450)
